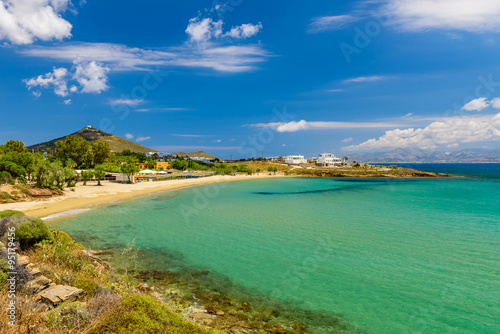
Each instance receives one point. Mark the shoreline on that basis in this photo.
(90, 196)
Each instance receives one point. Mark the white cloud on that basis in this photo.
(139, 139)
(346, 140)
(232, 58)
(92, 77)
(469, 15)
(24, 21)
(217, 141)
(129, 136)
(56, 80)
(495, 103)
(326, 23)
(126, 102)
(244, 31)
(335, 90)
(451, 131)
(68, 101)
(292, 126)
(36, 94)
(202, 30)
(476, 105)
(367, 79)
(322, 125)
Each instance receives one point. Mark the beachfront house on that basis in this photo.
(328, 160)
(295, 159)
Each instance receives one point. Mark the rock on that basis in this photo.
(32, 270)
(214, 310)
(57, 294)
(144, 288)
(200, 273)
(23, 261)
(38, 284)
(204, 318)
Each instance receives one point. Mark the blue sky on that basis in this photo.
(239, 78)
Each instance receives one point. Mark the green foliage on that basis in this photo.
(13, 146)
(86, 175)
(11, 214)
(99, 174)
(4, 177)
(70, 315)
(11, 182)
(4, 269)
(22, 180)
(151, 164)
(142, 314)
(32, 231)
(77, 151)
(14, 169)
(129, 169)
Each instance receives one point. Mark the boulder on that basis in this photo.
(213, 310)
(57, 294)
(38, 284)
(32, 270)
(23, 260)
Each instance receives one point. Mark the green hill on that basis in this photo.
(116, 144)
(199, 154)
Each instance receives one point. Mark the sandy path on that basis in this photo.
(91, 196)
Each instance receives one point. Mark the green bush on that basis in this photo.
(22, 180)
(4, 177)
(4, 269)
(142, 314)
(32, 231)
(11, 182)
(11, 214)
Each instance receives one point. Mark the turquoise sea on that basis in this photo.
(384, 255)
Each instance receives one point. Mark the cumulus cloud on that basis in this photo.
(346, 140)
(476, 105)
(495, 103)
(129, 136)
(450, 131)
(92, 77)
(202, 30)
(24, 21)
(292, 126)
(139, 139)
(327, 23)
(68, 101)
(56, 80)
(244, 31)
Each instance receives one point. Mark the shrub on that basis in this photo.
(11, 182)
(70, 316)
(4, 177)
(32, 231)
(4, 269)
(22, 180)
(11, 214)
(141, 314)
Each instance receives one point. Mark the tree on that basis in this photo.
(99, 173)
(346, 158)
(70, 163)
(100, 151)
(69, 176)
(87, 175)
(13, 169)
(129, 169)
(13, 146)
(75, 148)
(151, 164)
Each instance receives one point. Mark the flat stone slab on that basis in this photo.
(23, 260)
(38, 284)
(57, 294)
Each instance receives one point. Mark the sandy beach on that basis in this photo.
(91, 195)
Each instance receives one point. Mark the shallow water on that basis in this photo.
(389, 256)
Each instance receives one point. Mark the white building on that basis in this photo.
(295, 159)
(328, 160)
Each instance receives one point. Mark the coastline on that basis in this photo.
(87, 197)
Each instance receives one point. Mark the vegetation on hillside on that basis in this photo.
(112, 303)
